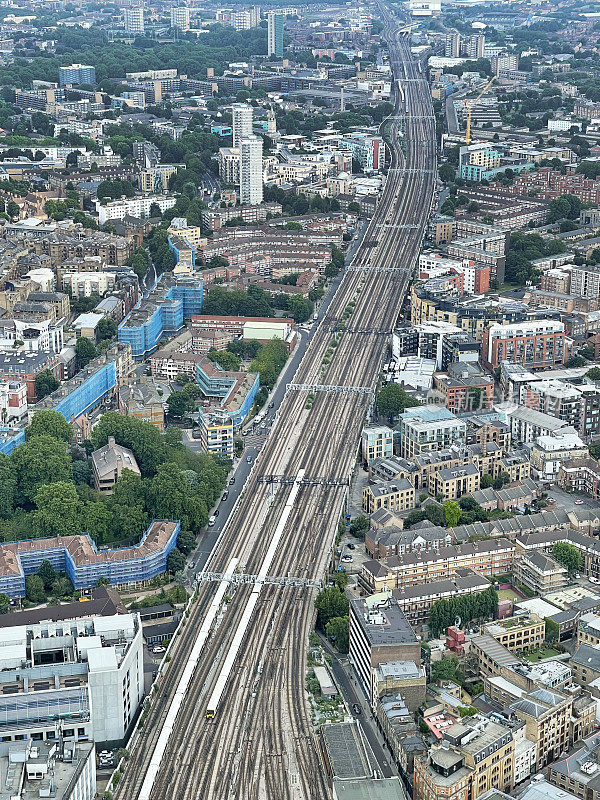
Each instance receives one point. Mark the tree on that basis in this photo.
(142, 438)
(84, 351)
(62, 587)
(39, 461)
(452, 513)
(337, 629)
(4, 603)
(448, 669)
(97, 521)
(34, 589)
(175, 561)
(552, 630)
(50, 423)
(8, 486)
(330, 603)
(467, 711)
(359, 526)
(501, 480)
(593, 374)
(393, 400)
(58, 509)
(186, 541)
(354, 207)
(487, 481)
(568, 556)
(178, 403)
(106, 329)
(45, 384)
(447, 173)
(47, 573)
(225, 359)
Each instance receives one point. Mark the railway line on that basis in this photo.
(260, 742)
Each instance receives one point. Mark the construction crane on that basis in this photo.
(470, 105)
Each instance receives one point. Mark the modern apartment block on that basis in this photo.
(428, 428)
(377, 441)
(394, 495)
(367, 148)
(84, 675)
(536, 344)
(217, 433)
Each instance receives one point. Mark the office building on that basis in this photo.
(82, 674)
(180, 18)
(63, 771)
(251, 171)
(242, 122)
(134, 20)
(379, 632)
(275, 34)
(76, 74)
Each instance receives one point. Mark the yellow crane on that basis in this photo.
(470, 105)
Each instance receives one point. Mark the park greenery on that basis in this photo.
(478, 606)
(45, 484)
(393, 400)
(256, 302)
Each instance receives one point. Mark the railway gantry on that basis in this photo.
(260, 743)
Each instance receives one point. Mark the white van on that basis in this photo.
(211, 520)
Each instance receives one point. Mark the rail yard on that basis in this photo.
(237, 724)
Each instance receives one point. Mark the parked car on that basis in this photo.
(346, 559)
(351, 546)
(271, 404)
(231, 481)
(225, 495)
(578, 502)
(249, 459)
(158, 649)
(357, 709)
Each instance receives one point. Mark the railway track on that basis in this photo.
(261, 744)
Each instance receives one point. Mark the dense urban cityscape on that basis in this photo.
(300, 400)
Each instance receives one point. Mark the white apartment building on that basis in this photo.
(13, 401)
(180, 18)
(251, 171)
(84, 284)
(134, 207)
(242, 122)
(548, 453)
(585, 282)
(85, 674)
(35, 335)
(134, 20)
(229, 164)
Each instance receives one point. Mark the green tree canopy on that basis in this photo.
(45, 384)
(58, 509)
(47, 573)
(330, 603)
(393, 400)
(84, 351)
(452, 513)
(50, 423)
(34, 589)
(567, 555)
(39, 461)
(338, 629)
